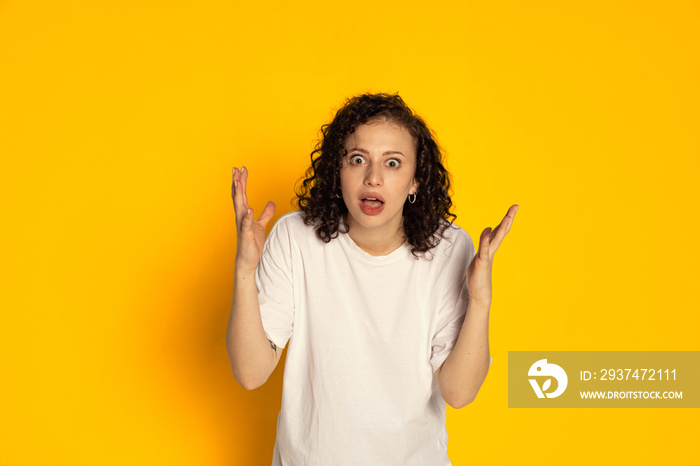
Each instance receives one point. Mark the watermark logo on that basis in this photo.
(603, 379)
(541, 369)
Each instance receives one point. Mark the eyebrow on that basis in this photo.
(389, 152)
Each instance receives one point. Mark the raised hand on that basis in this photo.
(250, 233)
(479, 271)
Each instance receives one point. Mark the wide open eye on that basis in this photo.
(393, 163)
(356, 159)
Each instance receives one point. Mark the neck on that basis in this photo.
(377, 242)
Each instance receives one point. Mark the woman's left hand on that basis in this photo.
(479, 271)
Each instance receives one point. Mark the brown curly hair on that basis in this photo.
(424, 221)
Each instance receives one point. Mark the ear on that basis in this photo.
(414, 186)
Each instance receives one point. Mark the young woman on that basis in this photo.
(383, 300)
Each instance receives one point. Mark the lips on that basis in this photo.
(371, 203)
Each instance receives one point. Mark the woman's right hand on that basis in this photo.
(250, 233)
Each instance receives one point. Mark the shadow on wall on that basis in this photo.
(192, 371)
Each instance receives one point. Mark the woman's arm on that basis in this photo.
(464, 371)
(253, 357)
(461, 375)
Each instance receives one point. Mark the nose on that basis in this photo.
(373, 175)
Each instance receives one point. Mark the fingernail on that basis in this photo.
(235, 183)
(242, 169)
(516, 208)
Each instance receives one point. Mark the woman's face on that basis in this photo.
(377, 175)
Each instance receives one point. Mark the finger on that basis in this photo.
(267, 214)
(247, 221)
(498, 234)
(238, 205)
(484, 244)
(244, 186)
(511, 213)
(503, 228)
(241, 189)
(234, 183)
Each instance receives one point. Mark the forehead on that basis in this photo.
(381, 135)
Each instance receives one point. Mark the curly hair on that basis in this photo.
(424, 221)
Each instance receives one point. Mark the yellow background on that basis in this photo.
(120, 122)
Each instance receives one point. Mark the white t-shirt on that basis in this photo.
(367, 334)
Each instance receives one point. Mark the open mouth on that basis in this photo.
(372, 202)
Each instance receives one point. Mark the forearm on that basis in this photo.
(465, 369)
(251, 353)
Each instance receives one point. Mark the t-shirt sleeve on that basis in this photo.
(452, 307)
(273, 277)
